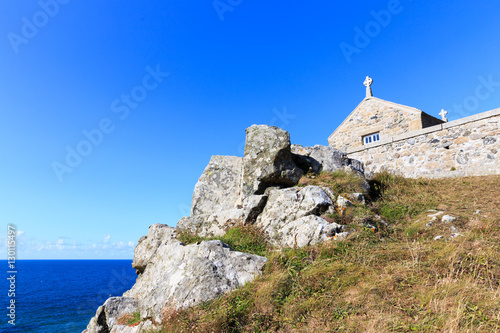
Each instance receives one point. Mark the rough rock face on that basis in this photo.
(177, 276)
(256, 189)
(147, 246)
(268, 160)
(290, 217)
(180, 276)
(323, 158)
(218, 188)
(108, 314)
(217, 224)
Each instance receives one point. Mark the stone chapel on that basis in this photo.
(375, 119)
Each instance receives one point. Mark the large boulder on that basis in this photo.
(267, 161)
(181, 276)
(323, 158)
(218, 188)
(107, 315)
(291, 217)
(218, 223)
(147, 246)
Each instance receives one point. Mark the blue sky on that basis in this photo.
(145, 92)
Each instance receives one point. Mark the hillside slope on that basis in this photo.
(421, 272)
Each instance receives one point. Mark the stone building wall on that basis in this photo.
(374, 115)
(465, 147)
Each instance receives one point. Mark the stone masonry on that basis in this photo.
(374, 115)
(464, 147)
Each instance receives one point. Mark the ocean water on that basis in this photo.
(56, 296)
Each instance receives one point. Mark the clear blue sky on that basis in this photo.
(170, 83)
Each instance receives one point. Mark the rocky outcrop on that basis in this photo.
(323, 158)
(218, 188)
(217, 224)
(107, 315)
(180, 276)
(268, 160)
(291, 217)
(147, 246)
(255, 189)
(177, 276)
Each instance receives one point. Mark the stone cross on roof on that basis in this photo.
(368, 82)
(443, 114)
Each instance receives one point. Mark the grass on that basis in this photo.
(242, 238)
(130, 319)
(398, 279)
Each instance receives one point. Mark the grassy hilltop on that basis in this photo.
(394, 278)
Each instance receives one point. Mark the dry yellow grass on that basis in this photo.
(398, 279)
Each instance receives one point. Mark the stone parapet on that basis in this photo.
(463, 147)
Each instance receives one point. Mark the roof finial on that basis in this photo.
(443, 114)
(368, 82)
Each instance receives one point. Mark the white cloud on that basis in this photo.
(62, 247)
(106, 238)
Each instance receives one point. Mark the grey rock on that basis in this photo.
(144, 326)
(302, 158)
(341, 235)
(358, 197)
(181, 276)
(107, 314)
(217, 224)
(291, 217)
(219, 186)
(489, 140)
(147, 246)
(448, 219)
(453, 229)
(267, 161)
(462, 158)
(323, 158)
(343, 202)
(305, 231)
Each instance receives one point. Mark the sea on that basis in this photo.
(60, 296)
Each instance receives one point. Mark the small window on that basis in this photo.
(371, 138)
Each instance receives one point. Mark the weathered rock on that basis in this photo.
(180, 276)
(218, 223)
(323, 158)
(358, 197)
(302, 158)
(219, 186)
(107, 314)
(268, 160)
(147, 246)
(448, 219)
(305, 231)
(290, 217)
(343, 202)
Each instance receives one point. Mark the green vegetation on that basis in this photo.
(397, 279)
(243, 238)
(130, 319)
